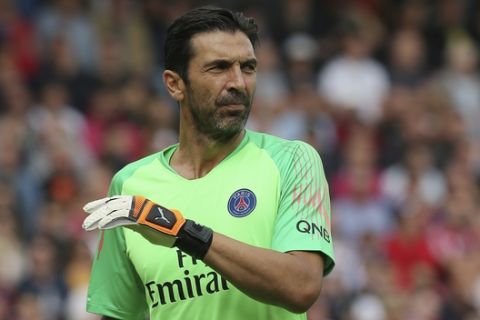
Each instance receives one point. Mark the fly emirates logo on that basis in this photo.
(188, 287)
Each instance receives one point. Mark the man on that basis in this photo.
(263, 243)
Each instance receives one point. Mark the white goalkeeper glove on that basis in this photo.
(169, 225)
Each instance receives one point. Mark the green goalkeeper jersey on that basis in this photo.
(269, 192)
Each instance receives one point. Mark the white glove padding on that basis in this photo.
(107, 213)
(133, 211)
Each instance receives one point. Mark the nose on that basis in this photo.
(236, 78)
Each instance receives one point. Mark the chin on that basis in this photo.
(227, 133)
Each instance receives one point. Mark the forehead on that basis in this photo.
(213, 45)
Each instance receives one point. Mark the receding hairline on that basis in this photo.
(204, 33)
(217, 31)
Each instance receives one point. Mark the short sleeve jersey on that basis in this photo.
(269, 192)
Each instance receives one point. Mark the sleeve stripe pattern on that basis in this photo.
(312, 194)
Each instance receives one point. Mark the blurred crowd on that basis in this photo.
(388, 92)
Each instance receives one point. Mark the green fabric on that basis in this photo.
(292, 212)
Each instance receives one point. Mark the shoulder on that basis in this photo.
(270, 143)
(282, 151)
(133, 166)
(129, 170)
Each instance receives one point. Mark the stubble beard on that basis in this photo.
(215, 123)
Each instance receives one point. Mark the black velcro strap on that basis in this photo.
(194, 239)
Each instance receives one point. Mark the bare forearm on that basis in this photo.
(290, 280)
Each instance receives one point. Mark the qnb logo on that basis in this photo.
(304, 226)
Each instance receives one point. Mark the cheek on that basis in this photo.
(209, 99)
(251, 84)
(201, 96)
(211, 88)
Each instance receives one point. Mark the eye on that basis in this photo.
(249, 67)
(219, 67)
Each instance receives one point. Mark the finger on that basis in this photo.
(117, 223)
(93, 205)
(91, 222)
(118, 216)
(113, 208)
(89, 226)
(109, 206)
(119, 203)
(113, 202)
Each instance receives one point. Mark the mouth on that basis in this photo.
(233, 107)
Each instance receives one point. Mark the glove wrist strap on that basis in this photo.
(194, 239)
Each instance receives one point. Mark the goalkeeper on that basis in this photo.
(226, 224)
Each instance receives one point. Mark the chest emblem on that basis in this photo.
(241, 203)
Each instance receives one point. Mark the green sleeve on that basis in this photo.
(115, 290)
(303, 218)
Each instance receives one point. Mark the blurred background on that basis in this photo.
(388, 92)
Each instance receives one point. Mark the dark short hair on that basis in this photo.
(178, 49)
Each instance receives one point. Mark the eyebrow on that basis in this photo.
(217, 62)
(252, 61)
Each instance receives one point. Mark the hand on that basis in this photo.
(129, 211)
(166, 227)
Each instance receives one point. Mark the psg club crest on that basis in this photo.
(241, 203)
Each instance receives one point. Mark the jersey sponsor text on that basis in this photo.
(305, 226)
(188, 287)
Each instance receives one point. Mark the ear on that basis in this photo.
(174, 84)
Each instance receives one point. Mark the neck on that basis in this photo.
(198, 154)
